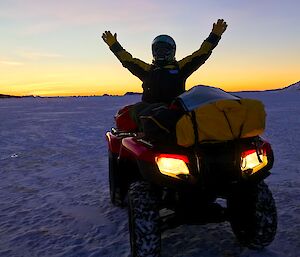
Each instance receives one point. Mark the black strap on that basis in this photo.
(229, 125)
(195, 127)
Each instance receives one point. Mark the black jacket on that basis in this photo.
(162, 83)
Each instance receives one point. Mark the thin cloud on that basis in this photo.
(11, 63)
(58, 12)
(39, 55)
(43, 84)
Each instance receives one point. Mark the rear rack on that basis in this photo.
(116, 132)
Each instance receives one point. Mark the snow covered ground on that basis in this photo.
(54, 198)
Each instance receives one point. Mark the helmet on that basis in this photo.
(163, 48)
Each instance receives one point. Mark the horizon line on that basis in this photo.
(130, 93)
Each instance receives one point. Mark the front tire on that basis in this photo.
(253, 216)
(143, 214)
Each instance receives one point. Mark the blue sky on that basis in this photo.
(55, 47)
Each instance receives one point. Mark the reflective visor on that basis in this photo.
(163, 51)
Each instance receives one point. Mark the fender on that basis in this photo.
(137, 150)
(145, 158)
(114, 143)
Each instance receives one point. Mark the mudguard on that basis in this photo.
(114, 142)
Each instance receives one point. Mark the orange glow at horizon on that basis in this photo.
(116, 88)
(99, 81)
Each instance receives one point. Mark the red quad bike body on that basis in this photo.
(166, 186)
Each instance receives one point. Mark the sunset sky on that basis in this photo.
(54, 47)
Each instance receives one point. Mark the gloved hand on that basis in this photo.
(109, 38)
(219, 27)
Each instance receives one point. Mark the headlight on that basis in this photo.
(172, 164)
(253, 161)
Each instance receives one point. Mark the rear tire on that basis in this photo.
(253, 216)
(116, 190)
(143, 215)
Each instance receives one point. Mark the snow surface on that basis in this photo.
(54, 198)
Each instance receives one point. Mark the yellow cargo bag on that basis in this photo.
(222, 120)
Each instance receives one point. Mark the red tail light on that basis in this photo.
(175, 156)
(254, 159)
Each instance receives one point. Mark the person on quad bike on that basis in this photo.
(165, 78)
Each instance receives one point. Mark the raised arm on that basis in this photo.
(134, 65)
(192, 62)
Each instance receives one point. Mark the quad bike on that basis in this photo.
(166, 186)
